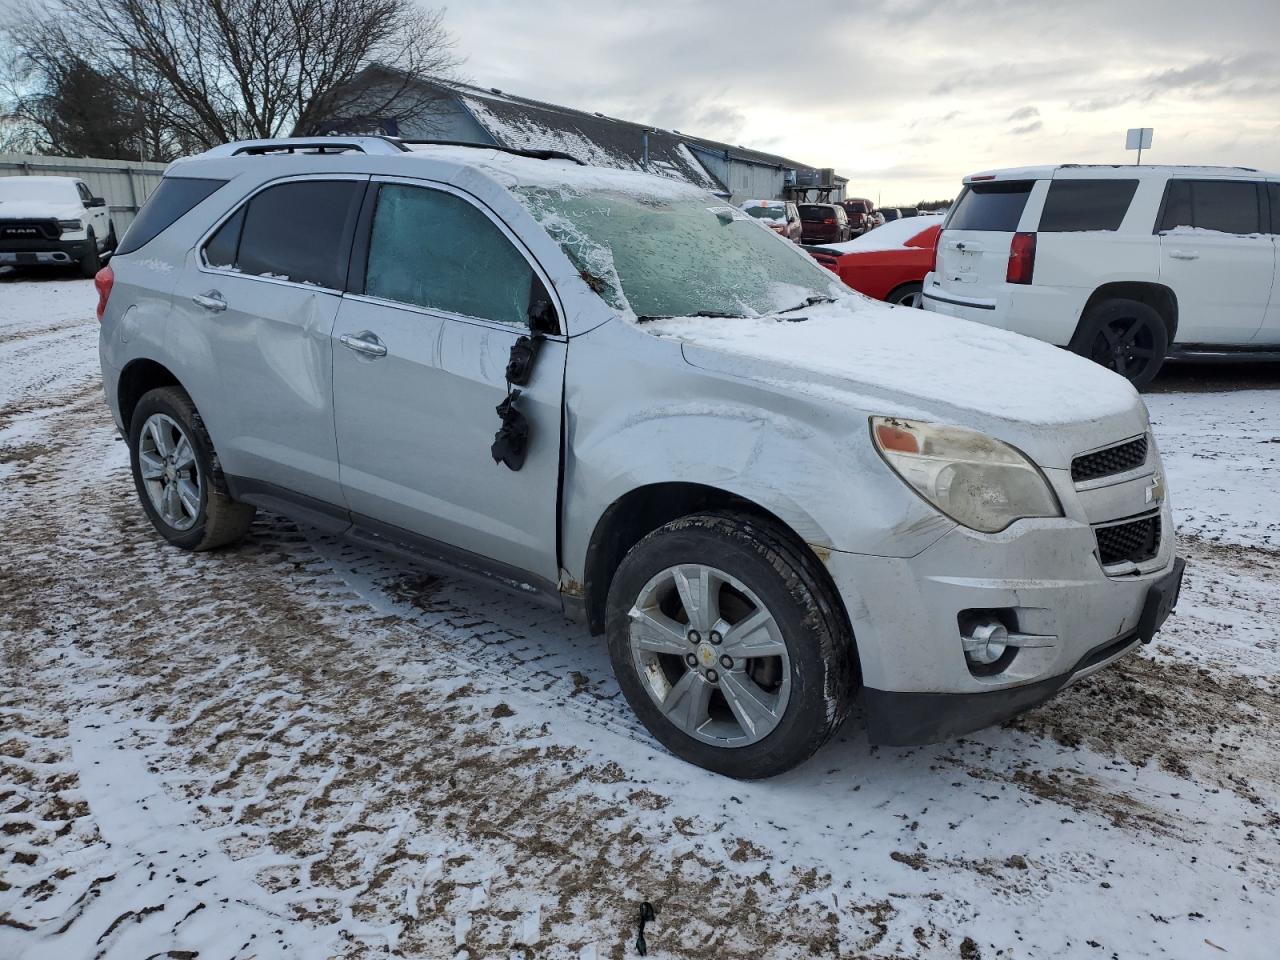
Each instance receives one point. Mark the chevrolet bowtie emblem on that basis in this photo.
(1155, 490)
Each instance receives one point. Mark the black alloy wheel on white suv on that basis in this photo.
(1126, 336)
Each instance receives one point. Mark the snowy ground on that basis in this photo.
(295, 749)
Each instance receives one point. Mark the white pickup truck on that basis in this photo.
(53, 221)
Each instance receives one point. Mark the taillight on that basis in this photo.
(829, 220)
(937, 245)
(1022, 258)
(104, 281)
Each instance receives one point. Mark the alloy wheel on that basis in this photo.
(710, 655)
(911, 299)
(1126, 345)
(170, 473)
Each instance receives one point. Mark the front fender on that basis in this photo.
(639, 415)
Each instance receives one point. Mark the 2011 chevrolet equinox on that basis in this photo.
(621, 395)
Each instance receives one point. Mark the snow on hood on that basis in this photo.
(920, 359)
(40, 210)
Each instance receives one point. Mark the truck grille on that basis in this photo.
(1118, 459)
(1132, 541)
(29, 230)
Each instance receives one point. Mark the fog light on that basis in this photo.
(986, 642)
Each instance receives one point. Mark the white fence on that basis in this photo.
(124, 184)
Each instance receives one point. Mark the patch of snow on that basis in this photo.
(890, 236)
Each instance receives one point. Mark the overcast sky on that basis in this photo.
(904, 97)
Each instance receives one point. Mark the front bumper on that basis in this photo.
(41, 252)
(1041, 576)
(908, 718)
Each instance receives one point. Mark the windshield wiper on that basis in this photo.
(701, 313)
(809, 302)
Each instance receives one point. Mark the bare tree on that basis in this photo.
(209, 71)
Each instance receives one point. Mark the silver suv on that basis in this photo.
(616, 394)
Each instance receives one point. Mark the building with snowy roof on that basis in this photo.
(469, 114)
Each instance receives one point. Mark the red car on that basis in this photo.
(861, 215)
(887, 263)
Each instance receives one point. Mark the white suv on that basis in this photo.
(615, 393)
(1125, 265)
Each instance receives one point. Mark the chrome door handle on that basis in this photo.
(210, 301)
(364, 342)
(1184, 255)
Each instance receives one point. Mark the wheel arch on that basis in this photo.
(1159, 297)
(136, 379)
(898, 288)
(643, 509)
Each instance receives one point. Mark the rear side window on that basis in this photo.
(295, 231)
(433, 249)
(1275, 206)
(173, 198)
(1086, 205)
(995, 206)
(1227, 206)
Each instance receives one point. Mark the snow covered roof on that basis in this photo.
(591, 137)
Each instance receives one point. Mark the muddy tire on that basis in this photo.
(729, 646)
(176, 474)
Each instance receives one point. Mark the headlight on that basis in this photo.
(70, 226)
(974, 479)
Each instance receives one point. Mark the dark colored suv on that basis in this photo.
(823, 223)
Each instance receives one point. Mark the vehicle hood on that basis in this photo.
(40, 210)
(871, 358)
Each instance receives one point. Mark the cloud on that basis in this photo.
(1027, 128)
(1024, 113)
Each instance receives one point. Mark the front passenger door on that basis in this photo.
(420, 351)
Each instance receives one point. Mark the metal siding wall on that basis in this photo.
(125, 184)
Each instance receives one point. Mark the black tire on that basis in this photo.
(90, 261)
(112, 242)
(1126, 336)
(220, 520)
(788, 580)
(903, 296)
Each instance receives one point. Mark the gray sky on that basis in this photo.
(904, 96)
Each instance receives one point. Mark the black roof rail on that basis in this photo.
(517, 151)
(360, 144)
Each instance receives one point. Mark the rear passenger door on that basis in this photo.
(258, 313)
(441, 291)
(1216, 258)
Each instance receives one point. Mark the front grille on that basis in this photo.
(29, 230)
(1103, 463)
(1133, 541)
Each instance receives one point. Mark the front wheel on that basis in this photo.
(1126, 336)
(90, 260)
(728, 646)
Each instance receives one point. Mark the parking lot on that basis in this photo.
(292, 748)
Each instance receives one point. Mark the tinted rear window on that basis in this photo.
(816, 214)
(173, 198)
(297, 231)
(1086, 205)
(996, 206)
(1228, 206)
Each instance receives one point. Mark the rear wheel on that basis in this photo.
(1126, 336)
(177, 477)
(907, 295)
(728, 647)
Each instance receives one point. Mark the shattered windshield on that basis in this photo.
(677, 255)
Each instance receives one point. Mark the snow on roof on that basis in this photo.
(593, 138)
(515, 170)
(889, 236)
